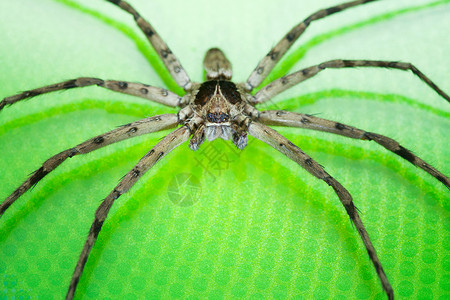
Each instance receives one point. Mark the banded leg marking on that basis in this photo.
(276, 53)
(281, 84)
(279, 142)
(121, 133)
(166, 145)
(145, 91)
(170, 61)
(290, 119)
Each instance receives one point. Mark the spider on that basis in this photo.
(219, 108)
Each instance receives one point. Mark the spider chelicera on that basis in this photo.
(219, 108)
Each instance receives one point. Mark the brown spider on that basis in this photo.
(219, 108)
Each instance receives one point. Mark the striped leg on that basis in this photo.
(121, 133)
(281, 84)
(167, 144)
(285, 118)
(271, 59)
(277, 141)
(170, 61)
(152, 93)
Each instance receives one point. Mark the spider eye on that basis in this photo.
(223, 117)
(217, 117)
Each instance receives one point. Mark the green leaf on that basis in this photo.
(246, 224)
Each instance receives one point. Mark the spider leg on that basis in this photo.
(279, 142)
(170, 61)
(152, 93)
(167, 144)
(283, 83)
(121, 133)
(217, 66)
(276, 53)
(285, 118)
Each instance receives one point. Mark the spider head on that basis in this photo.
(218, 104)
(216, 110)
(216, 115)
(215, 101)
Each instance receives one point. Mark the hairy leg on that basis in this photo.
(167, 144)
(277, 141)
(170, 61)
(276, 53)
(152, 93)
(121, 133)
(291, 119)
(281, 84)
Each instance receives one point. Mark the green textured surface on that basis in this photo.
(253, 224)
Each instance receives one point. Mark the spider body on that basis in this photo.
(219, 108)
(217, 111)
(217, 104)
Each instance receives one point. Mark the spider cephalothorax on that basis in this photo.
(219, 108)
